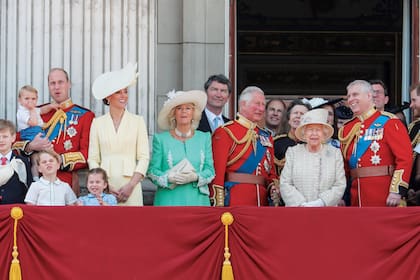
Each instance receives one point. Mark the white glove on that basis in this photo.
(393, 199)
(184, 178)
(171, 178)
(314, 203)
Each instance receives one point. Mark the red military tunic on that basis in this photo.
(234, 146)
(389, 153)
(68, 130)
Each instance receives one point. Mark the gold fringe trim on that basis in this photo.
(58, 117)
(15, 272)
(354, 132)
(227, 271)
(250, 137)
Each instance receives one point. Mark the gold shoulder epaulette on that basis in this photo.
(412, 124)
(247, 137)
(279, 136)
(227, 124)
(81, 107)
(388, 114)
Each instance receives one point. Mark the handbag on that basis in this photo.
(184, 166)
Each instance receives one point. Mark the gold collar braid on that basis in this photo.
(367, 114)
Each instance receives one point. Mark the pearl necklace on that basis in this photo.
(181, 134)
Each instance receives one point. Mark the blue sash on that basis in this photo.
(248, 166)
(363, 144)
(73, 117)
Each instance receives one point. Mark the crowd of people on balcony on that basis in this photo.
(352, 151)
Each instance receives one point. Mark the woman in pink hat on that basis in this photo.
(314, 172)
(118, 140)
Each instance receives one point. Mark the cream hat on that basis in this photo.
(315, 116)
(111, 82)
(196, 97)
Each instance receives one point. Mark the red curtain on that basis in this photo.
(188, 243)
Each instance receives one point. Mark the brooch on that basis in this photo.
(374, 147)
(265, 141)
(71, 131)
(68, 145)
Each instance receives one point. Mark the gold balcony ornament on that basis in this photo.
(15, 272)
(227, 271)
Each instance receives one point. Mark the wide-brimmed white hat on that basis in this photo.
(196, 97)
(315, 116)
(111, 82)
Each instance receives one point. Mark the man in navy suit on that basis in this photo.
(218, 89)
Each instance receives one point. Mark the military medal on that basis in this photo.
(71, 131)
(379, 134)
(375, 159)
(71, 120)
(76, 119)
(267, 161)
(374, 147)
(68, 145)
(265, 141)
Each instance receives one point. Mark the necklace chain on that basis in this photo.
(181, 134)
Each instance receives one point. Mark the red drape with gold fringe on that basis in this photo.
(188, 243)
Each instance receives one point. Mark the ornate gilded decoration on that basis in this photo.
(70, 159)
(397, 181)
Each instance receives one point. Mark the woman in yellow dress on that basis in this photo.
(118, 139)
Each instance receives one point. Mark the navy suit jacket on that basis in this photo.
(204, 123)
(14, 191)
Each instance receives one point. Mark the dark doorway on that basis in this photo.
(316, 47)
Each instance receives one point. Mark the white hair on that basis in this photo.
(365, 86)
(249, 92)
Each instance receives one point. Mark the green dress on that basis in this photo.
(167, 152)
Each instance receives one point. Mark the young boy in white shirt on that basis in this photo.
(50, 190)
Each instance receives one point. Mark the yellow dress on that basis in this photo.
(120, 153)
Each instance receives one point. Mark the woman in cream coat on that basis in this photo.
(314, 172)
(118, 139)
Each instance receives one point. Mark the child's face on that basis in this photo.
(28, 99)
(48, 165)
(96, 183)
(6, 141)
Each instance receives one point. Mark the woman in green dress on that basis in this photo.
(182, 161)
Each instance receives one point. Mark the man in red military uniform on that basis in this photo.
(243, 155)
(67, 130)
(377, 151)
